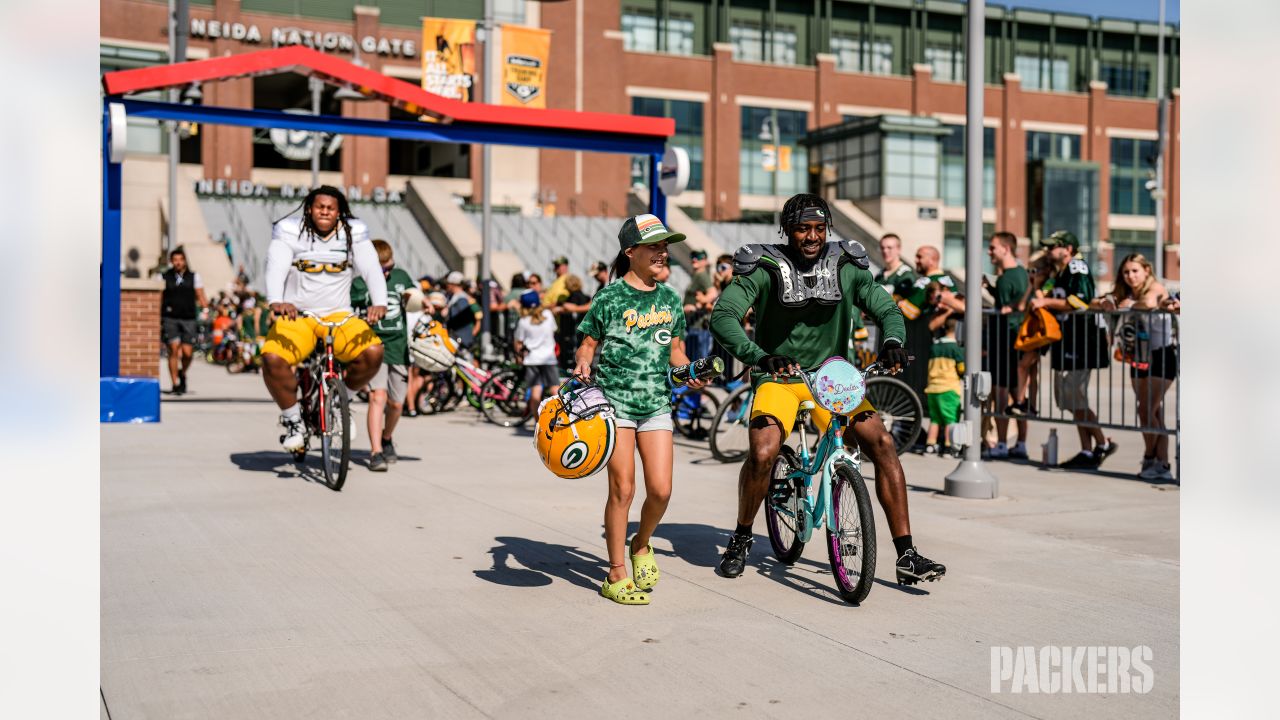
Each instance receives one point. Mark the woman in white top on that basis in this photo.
(535, 343)
(1149, 345)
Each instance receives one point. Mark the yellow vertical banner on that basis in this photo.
(525, 52)
(449, 58)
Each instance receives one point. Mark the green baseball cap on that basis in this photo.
(646, 230)
(698, 254)
(562, 260)
(1061, 238)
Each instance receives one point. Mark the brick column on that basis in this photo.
(1097, 148)
(1011, 170)
(226, 151)
(140, 327)
(921, 78)
(722, 187)
(365, 159)
(825, 100)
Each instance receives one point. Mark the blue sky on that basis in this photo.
(1131, 9)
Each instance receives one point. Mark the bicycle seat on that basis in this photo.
(807, 404)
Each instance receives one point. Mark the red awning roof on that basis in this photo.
(405, 95)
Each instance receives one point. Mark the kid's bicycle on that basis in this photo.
(793, 511)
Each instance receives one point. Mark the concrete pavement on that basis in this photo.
(463, 583)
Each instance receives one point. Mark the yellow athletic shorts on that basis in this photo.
(294, 340)
(781, 401)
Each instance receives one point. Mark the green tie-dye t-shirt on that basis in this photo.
(635, 329)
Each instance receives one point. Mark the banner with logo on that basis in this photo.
(525, 51)
(449, 58)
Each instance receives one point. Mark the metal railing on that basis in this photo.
(1112, 370)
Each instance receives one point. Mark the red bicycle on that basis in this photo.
(326, 409)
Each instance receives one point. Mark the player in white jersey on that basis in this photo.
(311, 263)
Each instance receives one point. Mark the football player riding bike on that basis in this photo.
(311, 263)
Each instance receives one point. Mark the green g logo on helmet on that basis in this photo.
(574, 455)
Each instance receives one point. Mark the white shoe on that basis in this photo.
(1000, 451)
(294, 436)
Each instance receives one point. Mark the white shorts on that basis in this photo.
(393, 379)
(657, 422)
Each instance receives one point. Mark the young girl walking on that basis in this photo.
(638, 325)
(535, 343)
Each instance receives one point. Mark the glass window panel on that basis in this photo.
(924, 187)
(898, 186)
(784, 44)
(1028, 68)
(680, 34)
(748, 40)
(898, 163)
(639, 30)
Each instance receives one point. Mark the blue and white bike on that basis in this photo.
(794, 510)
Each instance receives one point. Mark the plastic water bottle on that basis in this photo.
(1049, 450)
(706, 368)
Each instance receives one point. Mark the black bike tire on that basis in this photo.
(687, 427)
(856, 591)
(491, 412)
(787, 552)
(336, 477)
(718, 452)
(900, 401)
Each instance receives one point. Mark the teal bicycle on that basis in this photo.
(793, 511)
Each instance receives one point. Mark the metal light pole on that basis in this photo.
(770, 134)
(316, 88)
(971, 478)
(486, 170)
(177, 49)
(1162, 119)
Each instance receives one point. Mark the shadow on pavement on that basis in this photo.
(695, 543)
(188, 398)
(543, 562)
(280, 463)
(360, 458)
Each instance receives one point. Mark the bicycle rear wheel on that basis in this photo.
(335, 440)
(729, 437)
(851, 545)
(506, 399)
(900, 409)
(437, 389)
(784, 507)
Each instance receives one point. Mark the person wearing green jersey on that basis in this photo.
(387, 388)
(638, 325)
(1082, 349)
(1002, 331)
(805, 295)
(896, 277)
(924, 313)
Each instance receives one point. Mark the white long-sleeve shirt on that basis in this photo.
(323, 293)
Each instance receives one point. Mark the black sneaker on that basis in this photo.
(1102, 452)
(1018, 409)
(734, 560)
(1082, 461)
(378, 462)
(182, 383)
(389, 451)
(913, 567)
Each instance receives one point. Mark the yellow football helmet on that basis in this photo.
(575, 434)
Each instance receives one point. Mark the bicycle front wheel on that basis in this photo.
(851, 544)
(335, 440)
(784, 508)
(505, 399)
(900, 409)
(729, 437)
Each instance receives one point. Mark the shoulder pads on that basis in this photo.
(855, 253)
(748, 256)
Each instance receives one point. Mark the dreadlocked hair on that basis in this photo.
(796, 205)
(344, 211)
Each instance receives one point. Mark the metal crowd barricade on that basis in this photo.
(1121, 366)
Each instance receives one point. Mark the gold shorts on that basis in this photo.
(295, 340)
(781, 401)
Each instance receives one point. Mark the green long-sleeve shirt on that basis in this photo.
(810, 334)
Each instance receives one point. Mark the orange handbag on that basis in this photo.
(1040, 328)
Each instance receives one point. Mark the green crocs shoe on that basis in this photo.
(645, 570)
(624, 592)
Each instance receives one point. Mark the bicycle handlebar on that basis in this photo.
(332, 325)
